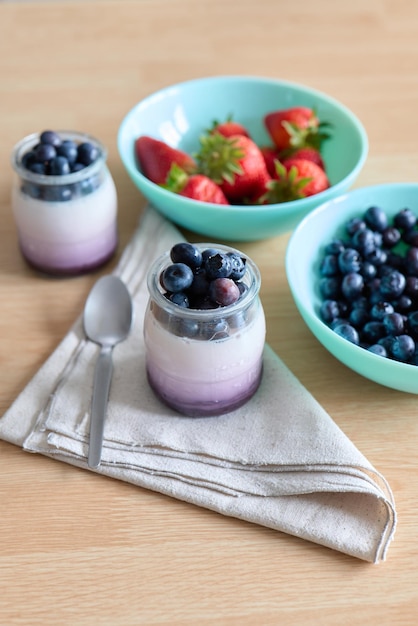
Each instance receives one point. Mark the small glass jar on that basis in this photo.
(67, 224)
(204, 362)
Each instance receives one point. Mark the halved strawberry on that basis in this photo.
(295, 179)
(194, 186)
(296, 127)
(235, 163)
(229, 128)
(156, 158)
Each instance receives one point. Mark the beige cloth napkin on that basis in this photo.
(279, 461)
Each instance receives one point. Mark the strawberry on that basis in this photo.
(156, 158)
(229, 128)
(295, 128)
(295, 179)
(195, 186)
(235, 163)
(310, 154)
(270, 154)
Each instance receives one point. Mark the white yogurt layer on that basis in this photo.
(77, 233)
(192, 373)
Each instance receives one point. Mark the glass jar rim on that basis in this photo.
(28, 142)
(156, 294)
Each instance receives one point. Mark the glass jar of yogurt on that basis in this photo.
(66, 219)
(204, 361)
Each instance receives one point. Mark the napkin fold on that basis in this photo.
(279, 461)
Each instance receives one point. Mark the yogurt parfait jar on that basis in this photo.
(204, 359)
(64, 202)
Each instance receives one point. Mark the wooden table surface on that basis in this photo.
(78, 548)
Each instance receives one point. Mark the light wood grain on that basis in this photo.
(76, 548)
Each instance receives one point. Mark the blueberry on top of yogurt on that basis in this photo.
(55, 155)
(203, 279)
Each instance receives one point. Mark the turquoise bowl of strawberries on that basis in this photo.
(352, 267)
(240, 158)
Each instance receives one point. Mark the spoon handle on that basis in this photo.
(101, 386)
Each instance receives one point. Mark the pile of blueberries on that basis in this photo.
(206, 279)
(55, 156)
(369, 284)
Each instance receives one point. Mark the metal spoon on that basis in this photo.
(108, 316)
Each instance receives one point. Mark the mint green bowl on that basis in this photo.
(302, 269)
(179, 114)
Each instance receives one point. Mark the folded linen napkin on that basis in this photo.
(279, 461)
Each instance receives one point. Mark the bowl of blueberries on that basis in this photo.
(352, 268)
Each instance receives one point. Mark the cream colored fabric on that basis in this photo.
(279, 461)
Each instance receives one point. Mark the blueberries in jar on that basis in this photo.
(68, 149)
(50, 137)
(87, 153)
(59, 166)
(177, 277)
(186, 253)
(45, 152)
(218, 266)
(54, 156)
(237, 265)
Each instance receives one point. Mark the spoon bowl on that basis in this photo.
(108, 316)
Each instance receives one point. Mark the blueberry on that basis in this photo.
(394, 323)
(209, 252)
(373, 331)
(390, 237)
(377, 257)
(376, 218)
(405, 219)
(186, 253)
(354, 224)
(368, 270)
(87, 153)
(403, 304)
(378, 349)
(352, 285)
(68, 149)
(330, 287)
(38, 168)
(411, 287)
(32, 190)
(59, 166)
(412, 321)
(392, 285)
(329, 310)
(77, 167)
(224, 291)
(380, 310)
(50, 137)
(411, 261)
(179, 298)
(177, 277)
(358, 317)
(238, 265)
(403, 348)
(218, 266)
(200, 284)
(329, 265)
(56, 193)
(347, 332)
(349, 260)
(335, 247)
(364, 241)
(45, 152)
(29, 159)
